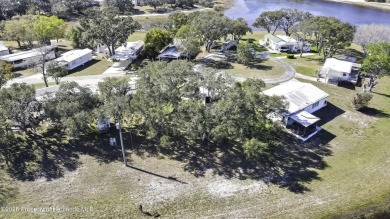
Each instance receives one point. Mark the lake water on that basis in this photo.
(251, 9)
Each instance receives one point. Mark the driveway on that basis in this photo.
(289, 73)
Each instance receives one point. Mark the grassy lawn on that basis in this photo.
(306, 65)
(10, 44)
(138, 35)
(151, 19)
(24, 72)
(64, 45)
(262, 70)
(94, 67)
(42, 85)
(259, 35)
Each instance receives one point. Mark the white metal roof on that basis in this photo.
(128, 50)
(272, 37)
(299, 95)
(340, 65)
(304, 118)
(286, 39)
(170, 51)
(2, 47)
(73, 55)
(25, 54)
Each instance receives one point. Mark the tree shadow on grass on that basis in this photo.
(385, 95)
(38, 156)
(318, 60)
(8, 189)
(289, 164)
(85, 66)
(374, 112)
(216, 64)
(51, 154)
(259, 66)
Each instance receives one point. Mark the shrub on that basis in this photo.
(165, 142)
(134, 66)
(218, 8)
(254, 149)
(290, 56)
(361, 100)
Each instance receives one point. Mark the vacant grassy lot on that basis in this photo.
(306, 65)
(261, 70)
(346, 167)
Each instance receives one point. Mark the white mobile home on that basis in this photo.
(3, 50)
(335, 70)
(285, 43)
(128, 51)
(74, 58)
(30, 57)
(303, 99)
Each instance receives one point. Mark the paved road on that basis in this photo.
(37, 78)
(289, 73)
(89, 81)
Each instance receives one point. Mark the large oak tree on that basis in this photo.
(106, 27)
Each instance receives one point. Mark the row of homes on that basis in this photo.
(69, 60)
(31, 57)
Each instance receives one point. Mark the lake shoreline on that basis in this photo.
(383, 6)
(377, 5)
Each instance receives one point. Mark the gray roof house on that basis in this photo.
(302, 99)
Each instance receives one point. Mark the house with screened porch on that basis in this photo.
(302, 99)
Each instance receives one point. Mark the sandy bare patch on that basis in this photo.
(161, 190)
(359, 118)
(225, 188)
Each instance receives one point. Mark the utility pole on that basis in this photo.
(121, 139)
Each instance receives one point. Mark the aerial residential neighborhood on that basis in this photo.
(194, 109)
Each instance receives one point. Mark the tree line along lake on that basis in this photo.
(354, 14)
